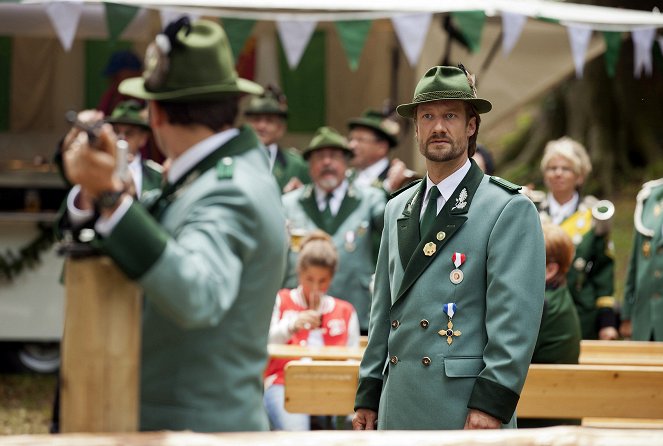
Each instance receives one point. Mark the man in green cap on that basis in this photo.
(129, 121)
(349, 214)
(371, 137)
(267, 114)
(209, 250)
(459, 284)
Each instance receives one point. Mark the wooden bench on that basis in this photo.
(551, 391)
(621, 352)
(323, 353)
(591, 352)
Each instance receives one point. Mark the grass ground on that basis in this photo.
(26, 400)
(26, 403)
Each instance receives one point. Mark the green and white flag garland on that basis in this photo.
(64, 16)
(411, 31)
(295, 35)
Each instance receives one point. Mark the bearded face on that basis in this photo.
(327, 168)
(442, 130)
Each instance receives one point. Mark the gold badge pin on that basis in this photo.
(646, 249)
(440, 235)
(429, 249)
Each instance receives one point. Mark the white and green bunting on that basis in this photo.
(296, 21)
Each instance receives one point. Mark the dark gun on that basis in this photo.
(92, 130)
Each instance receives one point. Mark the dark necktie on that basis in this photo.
(430, 213)
(327, 215)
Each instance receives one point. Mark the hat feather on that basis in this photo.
(471, 79)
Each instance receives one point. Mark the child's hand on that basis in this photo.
(308, 320)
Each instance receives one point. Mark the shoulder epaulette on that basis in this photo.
(154, 165)
(225, 168)
(504, 184)
(292, 150)
(403, 189)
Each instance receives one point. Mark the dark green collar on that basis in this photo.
(310, 206)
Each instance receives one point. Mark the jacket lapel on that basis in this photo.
(450, 219)
(408, 225)
(348, 205)
(310, 207)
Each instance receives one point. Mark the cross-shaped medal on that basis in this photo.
(449, 332)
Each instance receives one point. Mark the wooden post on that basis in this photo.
(101, 348)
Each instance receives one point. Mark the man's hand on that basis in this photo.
(365, 420)
(481, 420)
(398, 176)
(294, 183)
(626, 329)
(91, 167)
(608, 334)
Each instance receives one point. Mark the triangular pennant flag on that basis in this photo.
(579, 37)
(613, 43)
(353, 35)
(237, 30)
(295, 36)
(411, 30)
(64, 17)
(470, 24)
(512, 27)
(170, 15)
(643, 40)
(118, 18)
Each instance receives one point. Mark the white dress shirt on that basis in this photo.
(446, 187)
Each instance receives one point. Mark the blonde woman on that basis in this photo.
(306, 315)
(565, 166)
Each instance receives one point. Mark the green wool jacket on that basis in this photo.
(591, 276)
(359, 217)
(559, 336)
(210, 259)
(643, 291)
(289, 164)
(413, 373)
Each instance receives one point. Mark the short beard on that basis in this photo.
(453, 153)
(329, 183)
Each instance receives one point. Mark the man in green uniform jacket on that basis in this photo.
(460, 281)
(642, 312)
(351, 216)
(209, 251)
(267, 114)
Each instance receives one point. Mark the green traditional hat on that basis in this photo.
(189, 62)
(271, 102)
(376, 120)
(440, 83)
(128, 112)
(327, 138)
